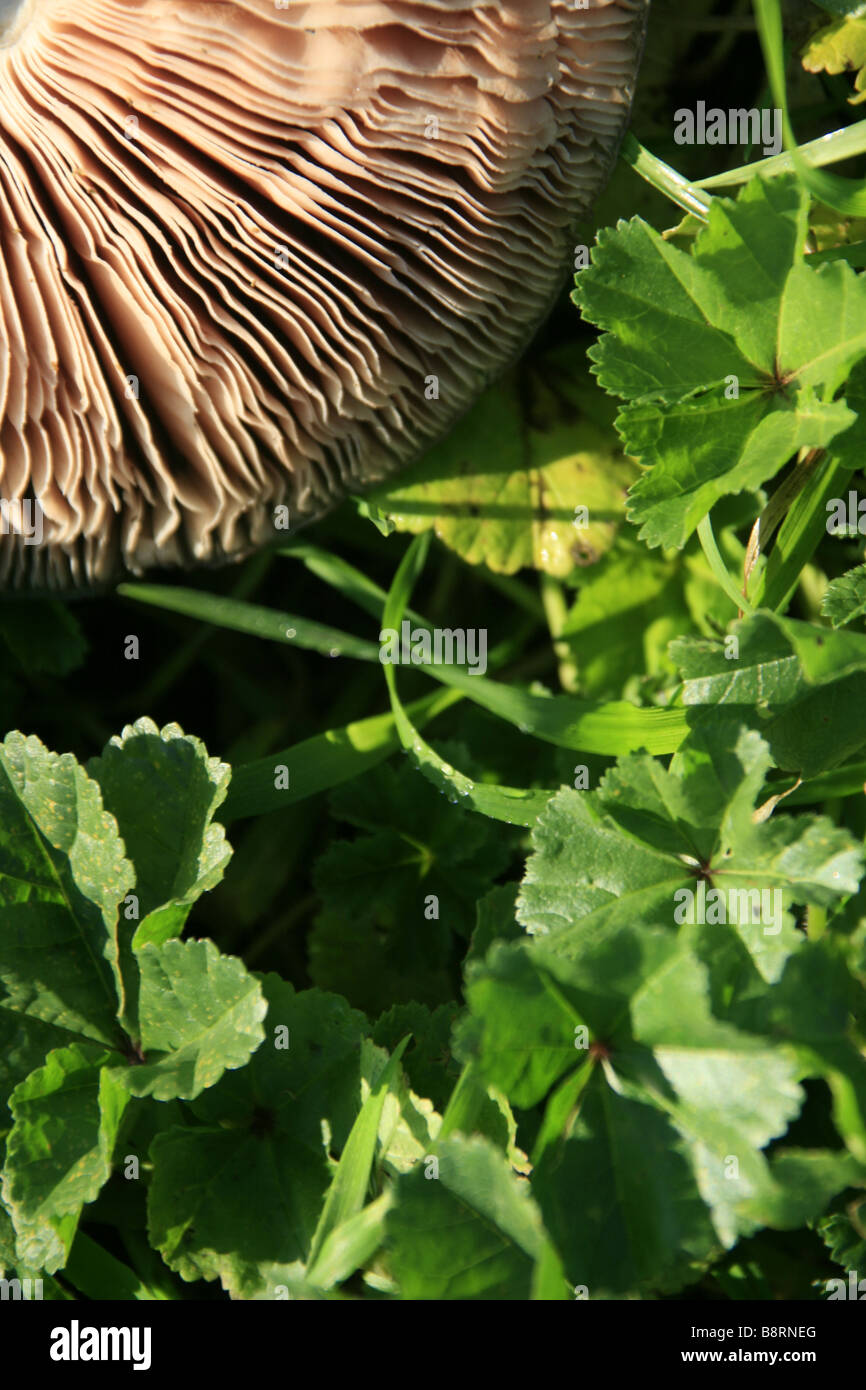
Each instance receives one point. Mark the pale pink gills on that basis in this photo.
(257, 254)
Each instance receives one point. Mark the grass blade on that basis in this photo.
(515, 806)
(322, 762)
(611, 729)
(253, 620)
(348, 1189)
(351, 1244)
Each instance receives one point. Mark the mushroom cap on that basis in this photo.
(259, 253)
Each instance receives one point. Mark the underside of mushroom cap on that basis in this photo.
(257, 254)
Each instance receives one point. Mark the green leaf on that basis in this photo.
(477, 1107)
(371, 939)
(804, 683)
(669, 846)
(66, 1118)
(515, 983)
(845, 598)
(25, 1042)
(623, 1028)
(394, 899)
(163, 790)
(808, 1012)
(62, 875)
(680, 328)
(643, 1223)
(468, 1231)
(494, 921)
(690, 1093)
(101, 1276)
(238, 1194)
(844, 1234)
(672, 323)
(630, 606)
(383, 524)
(427, 1062)
(503, 488)
(801, 1183)
(200, 1014)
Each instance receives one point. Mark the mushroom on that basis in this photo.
(255, 254)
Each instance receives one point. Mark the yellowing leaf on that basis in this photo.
(528, 479)
(841, 47)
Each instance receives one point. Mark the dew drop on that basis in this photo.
(290, 632)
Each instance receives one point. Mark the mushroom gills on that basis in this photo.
(256, 257)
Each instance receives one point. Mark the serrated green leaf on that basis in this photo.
(679, 845)
(163, 790)
(728, 358)
(844, 1234)
(845, 599)
(200, 1014)
(240, 1191)
(720, 1096)
(800, 1184)
(630, 1010)
(640, 1222)
(427, 1062)
(66, 1118)
(62, 875)
(805, 683)
(471, 1231)
(689, 450)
